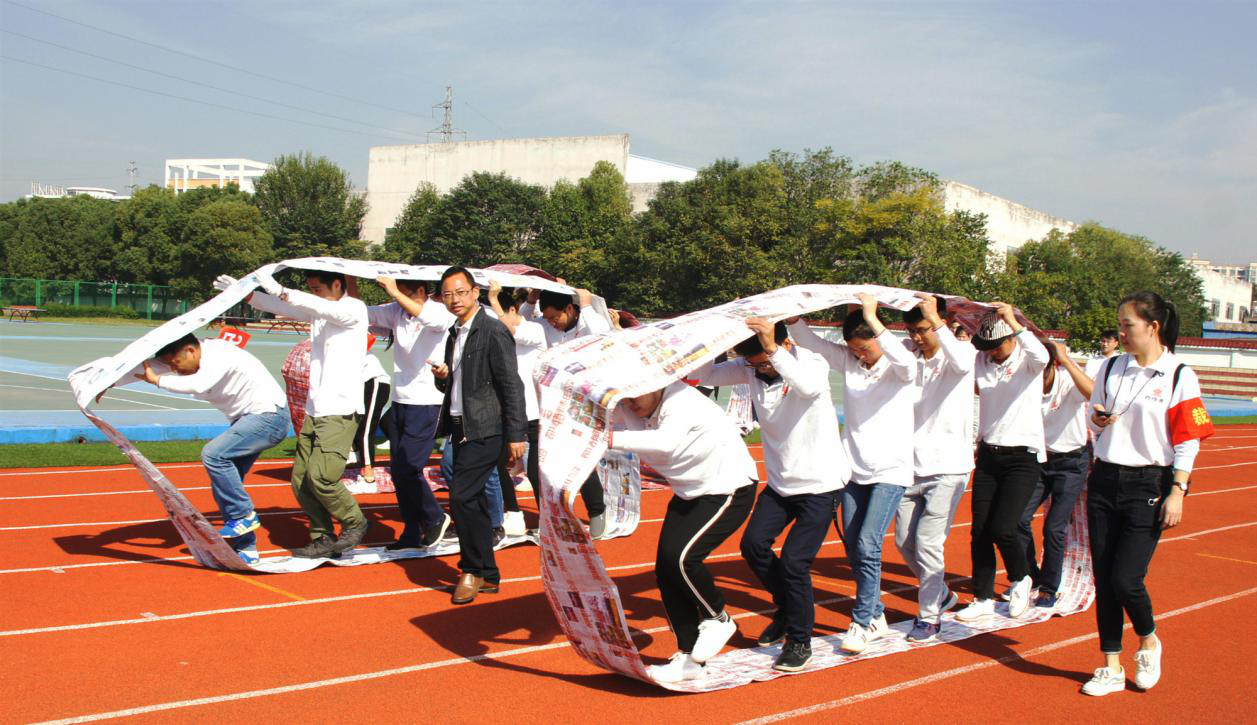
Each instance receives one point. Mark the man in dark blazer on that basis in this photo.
(483, 410)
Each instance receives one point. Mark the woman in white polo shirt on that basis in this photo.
(1151, 420)
(879, 374)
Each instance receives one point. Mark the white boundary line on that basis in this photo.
(954, 672)
(128, 467)
(138, 490)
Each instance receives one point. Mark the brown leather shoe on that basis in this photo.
(469, 585)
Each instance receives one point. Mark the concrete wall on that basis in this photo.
(1231, 297)
(1008, 224)
(394, 172)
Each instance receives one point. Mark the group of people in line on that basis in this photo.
(1126, 429)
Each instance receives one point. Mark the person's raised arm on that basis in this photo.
(412, 307)
(1076, 373)
(495, 287)
(1035, 351)
(835, 353)
(591, 322)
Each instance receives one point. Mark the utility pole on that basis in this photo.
(446, 130)
(132, 171)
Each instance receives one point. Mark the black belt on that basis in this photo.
(1004, 449)
(1133, 469)
(1067, 454)
(457, 420)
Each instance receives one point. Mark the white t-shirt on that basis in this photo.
(530, 341)
(416, 342)
(230, 379)
(1010, 396)
(877, 404)
(943, 440)
(338, 344)
(373, 370)
(1142, 398)
(690, 441)
(1064, 415)
(797, 417)
(589, 323)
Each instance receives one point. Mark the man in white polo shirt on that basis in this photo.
(236, 383)
(338, 344)
(790, 394)
(943, 458)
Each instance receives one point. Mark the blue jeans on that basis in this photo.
(229, 457)
(1064, 476)
(867, 510)
(492, 486)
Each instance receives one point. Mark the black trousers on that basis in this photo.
(1124, 515)
(692, 529)
(412, 432)
(1002, 485)
(532, 468)
(788, 578)
(1064, 477)
(473, 462)
(375, 396)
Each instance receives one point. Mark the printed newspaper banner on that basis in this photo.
(580, 384)
(207, 547)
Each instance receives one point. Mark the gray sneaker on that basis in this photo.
(351, 536)
(597, 526)
(321, 548)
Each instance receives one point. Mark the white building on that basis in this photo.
(184, 174)
(394, 172)
(54, 191)
(1228, 298)
(1008, 224)
(1243, 272)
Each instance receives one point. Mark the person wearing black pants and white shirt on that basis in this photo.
(1010, 455)
(690, 441)
(790, 394)
(1066, 390)
(879, 376)
(483, 411)
(942, 459)
(1150, 422)
(375, 393)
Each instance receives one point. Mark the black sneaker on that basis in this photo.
(498, 534)
(433, 534)
(774, 633)
(351, 536)
(323, 547)
(794, 656)
(401, 545)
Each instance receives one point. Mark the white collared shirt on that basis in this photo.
(461, 331)
(797, 417)
(690, 441)
(589, 323)
(1064, 414)
(1141, 398)
(943, 440)
(338, 343)
(877, 406)
(230, 379)
(417, 341)
(530, 341)
(1010, 396)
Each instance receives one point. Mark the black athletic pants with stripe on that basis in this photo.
(375, 395)
(692, 529)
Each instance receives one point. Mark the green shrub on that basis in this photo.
(59, 310)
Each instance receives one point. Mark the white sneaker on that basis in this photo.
(680, 668)
(713, 635)
(523, 484)
(1148, 667)
(1105, 682)
(858, 637)
(978, 609)
(513, 523)
(950, 602)
(1019, 598)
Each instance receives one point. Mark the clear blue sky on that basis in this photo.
(1141, 115)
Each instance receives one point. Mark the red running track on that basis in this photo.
(106, 616)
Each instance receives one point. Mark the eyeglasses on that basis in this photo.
(461, 294)
(763, 367)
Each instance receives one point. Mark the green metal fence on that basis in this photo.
(150, 301)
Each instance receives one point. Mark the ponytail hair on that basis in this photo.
(1151, 307)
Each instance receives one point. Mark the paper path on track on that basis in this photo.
(87, 381)
(580, 383)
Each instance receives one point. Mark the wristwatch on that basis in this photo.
(1181, 485)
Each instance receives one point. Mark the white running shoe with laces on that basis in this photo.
(858, 637)
(713, 635)
(513, 523)
(680, 667)
(1019, 598)
(1148, 667)
(1105, 682)
(976, 610)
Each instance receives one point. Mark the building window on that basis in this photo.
(1214, 307)
(1230, 311)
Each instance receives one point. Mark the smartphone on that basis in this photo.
(1104, 414)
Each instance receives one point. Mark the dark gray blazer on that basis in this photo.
(493, 394)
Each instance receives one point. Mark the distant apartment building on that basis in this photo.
(185, 174)
(1228, 288)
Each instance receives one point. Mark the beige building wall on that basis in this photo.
(1008, 224)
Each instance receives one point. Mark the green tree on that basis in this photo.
(583, 223)
(223, 236)
(411, 232)
(147, 237)
(486, 219)
(309, 206)
(68, 238)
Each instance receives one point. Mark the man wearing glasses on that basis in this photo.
(806, 468)
(483, 410)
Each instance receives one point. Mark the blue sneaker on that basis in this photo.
(923, 631)
(1046, 599)
(239, 527)
(249, 555)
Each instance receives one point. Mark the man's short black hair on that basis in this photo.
(171, 348)
(855, 327)
(1109, 335)
(555, 300)
(751, 345)
(915, 315)
(454, 272)
(507, 300)
(327, 278)
(415, 284)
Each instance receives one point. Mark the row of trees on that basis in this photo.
(735, 230)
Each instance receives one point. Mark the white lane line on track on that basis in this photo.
(833, 704)
(954, 672)
(281, 512)
(138, 490)
(123, 468)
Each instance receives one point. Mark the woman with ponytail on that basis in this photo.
(1149, 420)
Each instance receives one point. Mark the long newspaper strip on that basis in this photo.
(207, 547)
(580, 384)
